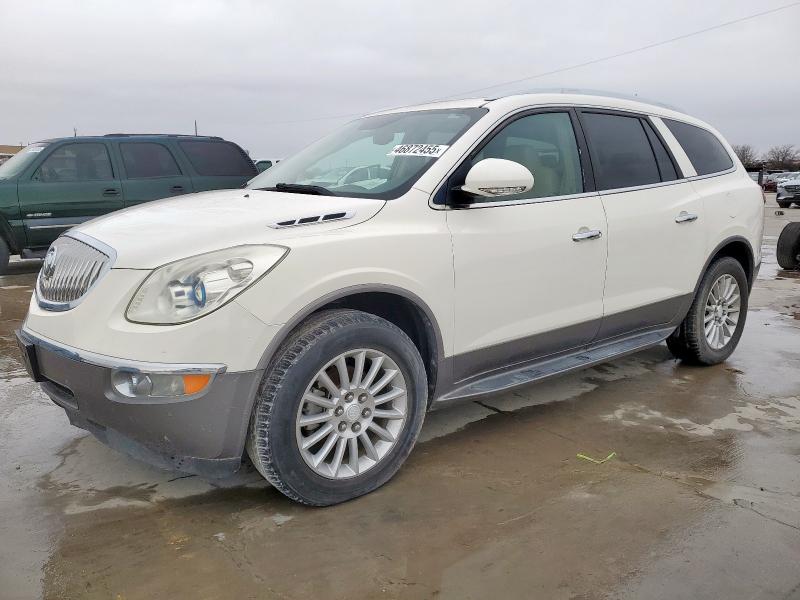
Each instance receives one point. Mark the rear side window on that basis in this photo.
(148, 159)
(621, 153)
(217, 158)
(76, 162)
(702, 147)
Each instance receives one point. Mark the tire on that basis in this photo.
(5, 255)
(689, 342)
(784, 204)
(276, 434)
(789, 247)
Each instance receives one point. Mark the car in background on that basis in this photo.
(788, 191)
(262, 164)
(56, 184)
(772, 181)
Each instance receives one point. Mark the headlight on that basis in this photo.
(192, 287)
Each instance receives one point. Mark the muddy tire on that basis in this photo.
(339, 408)
(789, 247)
(5, 255)
(713, 326)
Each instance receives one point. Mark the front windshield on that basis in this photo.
(374, 157)
(20, 161)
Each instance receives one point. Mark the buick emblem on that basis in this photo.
(49, 266)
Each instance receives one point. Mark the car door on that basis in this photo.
(529, 268)
(150, 172)
(75, 182)
(656, 241)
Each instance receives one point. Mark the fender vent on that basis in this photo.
(337, 216)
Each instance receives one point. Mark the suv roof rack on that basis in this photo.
(176, 135)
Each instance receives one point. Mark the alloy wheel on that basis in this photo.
(351, 414)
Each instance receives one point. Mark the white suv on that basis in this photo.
(312, 324)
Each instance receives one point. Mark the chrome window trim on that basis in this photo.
(111, 362)
(458, 161)
(89, 241)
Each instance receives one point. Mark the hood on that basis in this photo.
(156, 233)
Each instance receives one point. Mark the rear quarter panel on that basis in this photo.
(734, 207)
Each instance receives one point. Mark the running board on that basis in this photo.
(549, 367)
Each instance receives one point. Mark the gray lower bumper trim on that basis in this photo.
(203, 435)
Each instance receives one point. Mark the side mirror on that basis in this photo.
(494, 177)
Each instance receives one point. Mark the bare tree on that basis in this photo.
(781, 157)
(747, 154)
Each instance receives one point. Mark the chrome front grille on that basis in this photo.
(793, 188)
(71, 267)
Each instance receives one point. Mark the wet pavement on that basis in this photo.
(700, 500)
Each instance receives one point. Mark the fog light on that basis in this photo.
(159, 385)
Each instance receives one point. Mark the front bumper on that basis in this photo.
(784, 194)
(202, 434)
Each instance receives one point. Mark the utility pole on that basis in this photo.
(195, 126)
(74, 132)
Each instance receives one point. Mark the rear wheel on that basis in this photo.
(788, 250)
(713, 326)
(5, 255)
(339, 409)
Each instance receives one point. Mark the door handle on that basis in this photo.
(177, 189)
(584, 233)
(685, 217)
(111, 192)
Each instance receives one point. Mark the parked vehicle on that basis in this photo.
(262, 164)
(56, 184)
(788, 189)
(312, 326)
(788, 249)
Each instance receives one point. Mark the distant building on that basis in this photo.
(7, 152)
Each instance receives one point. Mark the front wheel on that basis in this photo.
(713, 326)
(339, 408)
(784, 204)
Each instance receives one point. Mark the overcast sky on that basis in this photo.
(243, 68)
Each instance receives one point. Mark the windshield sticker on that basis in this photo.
(432, 150)
(38, 149)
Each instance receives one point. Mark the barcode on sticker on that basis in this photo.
(434, 150)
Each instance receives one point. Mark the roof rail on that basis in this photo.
(591, 92)
(176, 135)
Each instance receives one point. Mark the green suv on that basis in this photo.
(53, 185)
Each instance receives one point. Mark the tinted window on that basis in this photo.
(76, 162)
(665, 166)
(217, 158)
(621, 153)
(148, 159)
(702, 147)
(545, 144)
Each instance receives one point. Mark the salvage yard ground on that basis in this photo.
(700, 500)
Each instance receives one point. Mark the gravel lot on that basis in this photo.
(701, 500)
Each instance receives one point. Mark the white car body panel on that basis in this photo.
(208, 221)
(509, 283)
(651, 257)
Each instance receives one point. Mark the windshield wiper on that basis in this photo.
(299, 188)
